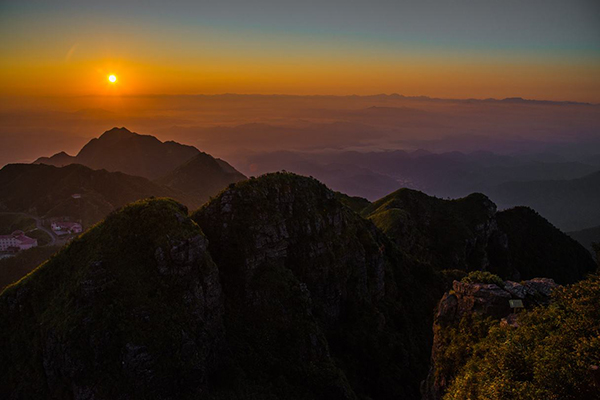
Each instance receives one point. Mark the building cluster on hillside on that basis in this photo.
(65, 227)
(16, 241)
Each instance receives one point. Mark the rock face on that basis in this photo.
(469, 234)
(295, 261)
(468, 300)
(132, 309)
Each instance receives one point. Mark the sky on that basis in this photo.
(542, 49)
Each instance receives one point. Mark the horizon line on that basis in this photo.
(514, 99)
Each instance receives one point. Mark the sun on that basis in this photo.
(112, 78)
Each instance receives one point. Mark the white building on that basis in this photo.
(65, 227)
(16, 240)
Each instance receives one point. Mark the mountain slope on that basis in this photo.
(569, 204)
(47, 191)
(183, 168)
(366, 306)
(293, 296)
(468, 234)
(138, 317)
(201, 177)
(121, 150)
(58, 160)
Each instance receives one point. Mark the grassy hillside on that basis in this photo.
(200, 178)
(47, 191)
(468, 234)
(134, 317)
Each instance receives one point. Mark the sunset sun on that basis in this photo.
(112, 78)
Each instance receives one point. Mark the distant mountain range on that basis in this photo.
(121, 150)
(570, 204)
(587, 236)
(505, 179)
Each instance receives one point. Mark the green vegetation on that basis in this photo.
(47, 191)
(468, 234)
(15, 222)
(42, 237)
(550, 355)
(448, 234)
(275, 289)
(115, 301)
(12, 222)
(483, 277)
(14, 268)
(455, 343)
(355, 203)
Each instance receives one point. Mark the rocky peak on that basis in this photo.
(477, 300)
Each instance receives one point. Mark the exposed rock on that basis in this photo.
(336, 288)
(484, 300)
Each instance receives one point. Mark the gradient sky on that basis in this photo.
(545, 49)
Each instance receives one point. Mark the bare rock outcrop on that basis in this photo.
(483, 300)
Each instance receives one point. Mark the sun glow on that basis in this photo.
(112, 78)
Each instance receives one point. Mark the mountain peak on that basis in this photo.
(122, 131)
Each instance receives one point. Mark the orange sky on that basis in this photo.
(70, 51)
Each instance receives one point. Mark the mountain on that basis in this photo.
(141, 155)
(201, 177)
(137, 317)
(47, 191)
(569, 204)
(272, 290)
(58, 160)
(587, 236)
(469, 234)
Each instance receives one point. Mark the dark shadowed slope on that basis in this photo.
(296, 264)
(468, 234)
(201, 177)
(537, 248)
(47, 191)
